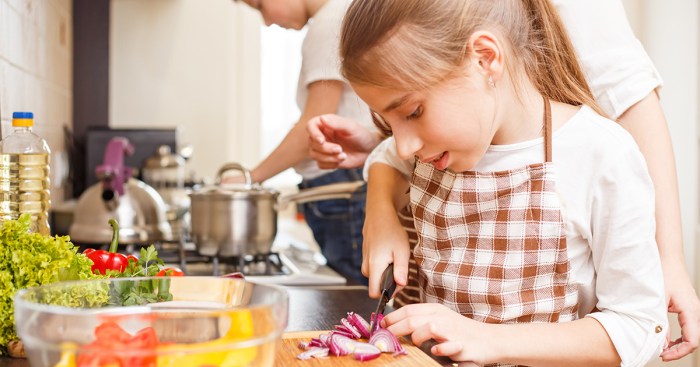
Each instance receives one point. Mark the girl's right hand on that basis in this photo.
(385, 241)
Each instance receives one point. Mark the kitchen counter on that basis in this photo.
(310, 308)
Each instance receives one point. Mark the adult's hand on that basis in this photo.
(338, 142)
(683, 301)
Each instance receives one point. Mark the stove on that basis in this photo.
(291, 262)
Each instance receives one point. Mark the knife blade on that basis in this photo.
(388, 286)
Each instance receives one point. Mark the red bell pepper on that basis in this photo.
(115, 347)
(109, 260)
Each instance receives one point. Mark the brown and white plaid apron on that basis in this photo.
(492, 246)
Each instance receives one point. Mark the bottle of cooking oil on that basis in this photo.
(24, 174)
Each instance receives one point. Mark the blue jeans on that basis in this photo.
(337, 224)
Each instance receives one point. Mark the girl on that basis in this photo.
(534, 214)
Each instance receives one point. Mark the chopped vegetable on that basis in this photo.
(31, 259)
(113, 345)
(341, 345)
(170, 272)
(314, 352)
(366, 352)
(104, 261)
(359, 323)
(344, 340)
(385, 341)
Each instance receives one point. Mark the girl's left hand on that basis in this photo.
(457, 337)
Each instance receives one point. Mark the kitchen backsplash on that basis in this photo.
(36, 54)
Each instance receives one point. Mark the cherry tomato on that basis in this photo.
(170, 272)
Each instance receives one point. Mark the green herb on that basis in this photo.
(140, 292)
(31, 259)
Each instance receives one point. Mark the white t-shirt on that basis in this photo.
(608, 200)
(321, 61)
(617, 68)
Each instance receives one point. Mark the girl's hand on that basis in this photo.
(457, 337)
(338, 142)
(384, 241)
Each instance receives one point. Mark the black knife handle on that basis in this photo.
(388, 283)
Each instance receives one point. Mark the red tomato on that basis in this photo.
(170, 272)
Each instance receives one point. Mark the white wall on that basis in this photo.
(36, 53)
(190, 64)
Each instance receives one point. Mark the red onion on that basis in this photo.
(340, 329)
(314, 352)
(317, 343)
(341, 345)
(342, 341)
(366, 351)
(385, 341)
(359, 323)
(353, 330)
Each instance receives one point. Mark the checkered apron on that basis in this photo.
(492, 246)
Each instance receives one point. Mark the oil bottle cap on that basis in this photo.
(22, 119)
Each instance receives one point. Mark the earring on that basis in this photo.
(491, 82)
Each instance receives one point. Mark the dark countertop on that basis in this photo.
(310, 308)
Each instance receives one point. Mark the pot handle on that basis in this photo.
(237, 167)
(341, 190)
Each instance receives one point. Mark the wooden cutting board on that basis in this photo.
(288, 351)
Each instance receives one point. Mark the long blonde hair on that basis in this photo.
(415, 44)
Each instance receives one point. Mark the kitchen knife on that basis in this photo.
(388, 286)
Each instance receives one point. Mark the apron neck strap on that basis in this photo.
(547, 122)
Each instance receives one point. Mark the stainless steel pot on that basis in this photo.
(242, 219)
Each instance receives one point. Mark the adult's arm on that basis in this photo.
(647, 124)
(625, 83)
(323, 98)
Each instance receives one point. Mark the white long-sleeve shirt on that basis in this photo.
(608, 200)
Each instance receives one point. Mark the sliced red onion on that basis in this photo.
(353, 330)
(359, 323)
(303, 345)
(365, 351)
(324, 338)
(385, 340)
(342, 330)
(341, 345)
(314, 352)
(317, 343)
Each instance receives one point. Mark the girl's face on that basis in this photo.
(289, 14)
(450, 125)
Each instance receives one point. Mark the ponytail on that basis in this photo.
(555, 70)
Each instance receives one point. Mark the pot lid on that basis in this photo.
(164, 158)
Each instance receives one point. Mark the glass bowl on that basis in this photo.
(155, 322)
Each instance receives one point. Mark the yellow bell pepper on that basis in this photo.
(185, 355)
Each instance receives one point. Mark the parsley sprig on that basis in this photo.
(140, 292)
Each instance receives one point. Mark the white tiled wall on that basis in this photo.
(36, 73)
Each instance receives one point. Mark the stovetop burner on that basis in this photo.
(192, 263)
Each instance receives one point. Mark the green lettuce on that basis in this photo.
(31, 259)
